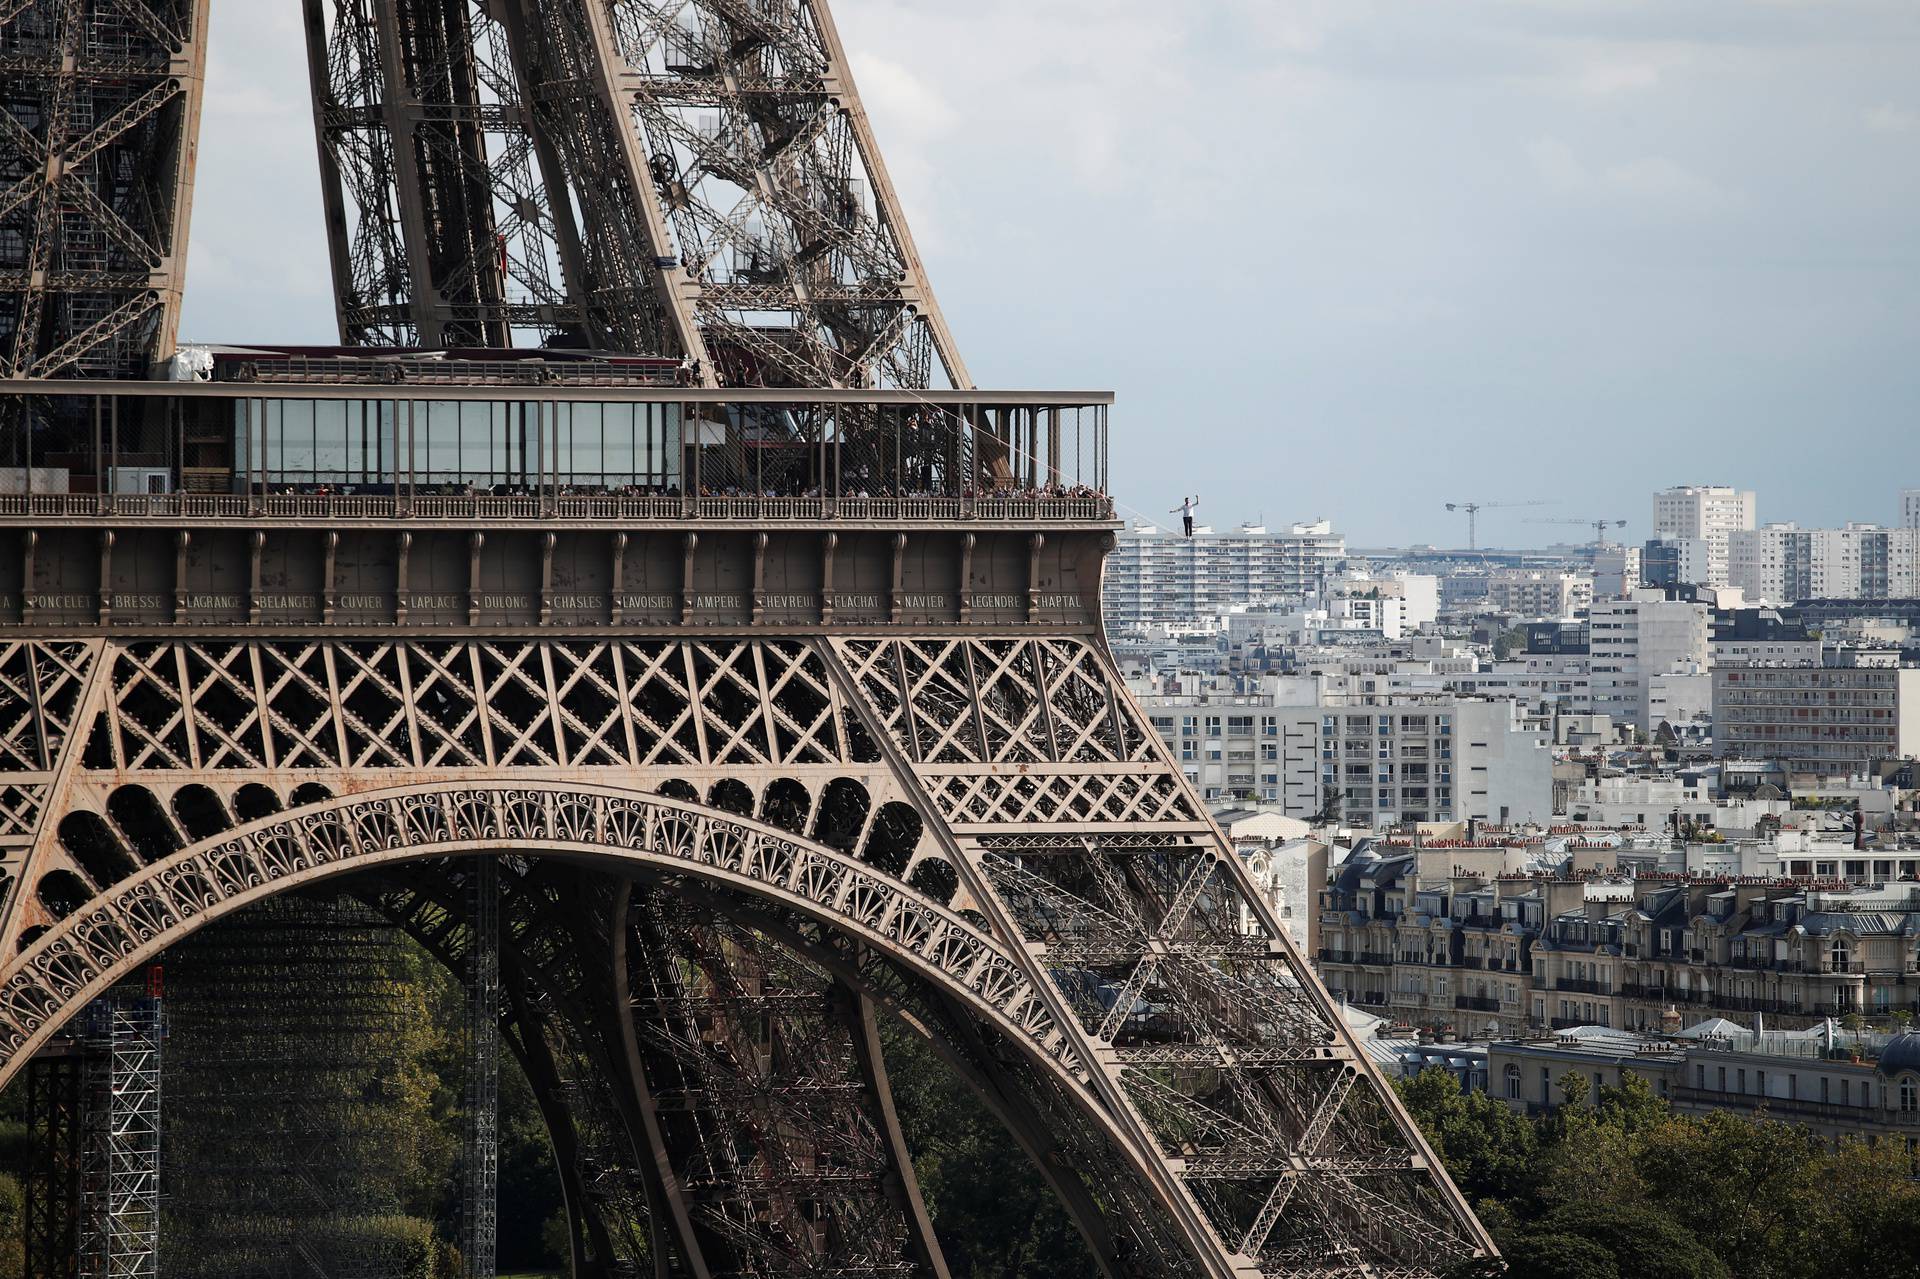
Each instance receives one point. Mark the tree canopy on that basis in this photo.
(1628, 1189)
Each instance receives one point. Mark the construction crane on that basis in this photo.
(1473, 510)
(1599, 527)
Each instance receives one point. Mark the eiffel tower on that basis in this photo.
(644, 578)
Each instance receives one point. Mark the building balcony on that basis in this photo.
(1663, 994)
(1875, 1117)
(1477, 1003)
(1583, 986)
(1371, 957)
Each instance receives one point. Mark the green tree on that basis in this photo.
(1751, 1185)
(1489, 1148)
(1632, 1105)
(1638, 1241)
(1867, 1208)
(529, 1184)
(13, 1256)
(994, 1213)
(1541, 1255)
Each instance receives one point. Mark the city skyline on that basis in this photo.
(1490, 238)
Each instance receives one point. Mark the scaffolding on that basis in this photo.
(481, 1188)
(284, 1021)
(119, 1226)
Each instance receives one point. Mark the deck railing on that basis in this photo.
(609, 509)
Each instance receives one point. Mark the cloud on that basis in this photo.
(1650, 183)
(1887, 118)
(1612, 76)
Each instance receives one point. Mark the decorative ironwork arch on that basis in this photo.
(99, 944)
(86, 953)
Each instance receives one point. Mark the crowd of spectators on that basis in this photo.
(469, 489)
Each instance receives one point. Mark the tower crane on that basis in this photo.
(1599, 527)
(1473, 510)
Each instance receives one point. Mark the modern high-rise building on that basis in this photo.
(1539, 592)
(1158, 576)
(1405, 759)
(1641, 637)
(1706, 513)
(1853, 708)
(1784, 563)
(1910, 509)
(1662, 563)
(1616, 570)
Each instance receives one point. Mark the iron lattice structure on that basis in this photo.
(98, 123)
(697, 179)
(753, 773)
(725, 857)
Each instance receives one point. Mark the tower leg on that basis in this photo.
(52, 1186)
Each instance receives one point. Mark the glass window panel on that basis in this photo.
(330, 452)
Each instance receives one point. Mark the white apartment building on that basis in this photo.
(1910, 508)
(1708, 514)
(1538, 593)
(1831, 719)
(1616, 571)
(1396, 604)
(1413, 759)
(1563, 681)
(1680, 697)
(1738, 652)
(1785, 563)
(1639, 637)
(1157, 576)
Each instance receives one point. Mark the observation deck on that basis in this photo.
(292, 492)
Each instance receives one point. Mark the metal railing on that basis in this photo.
(598, 508)
(1867, 1113)
(1582, 986)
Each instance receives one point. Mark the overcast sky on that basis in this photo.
(1351, 258)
